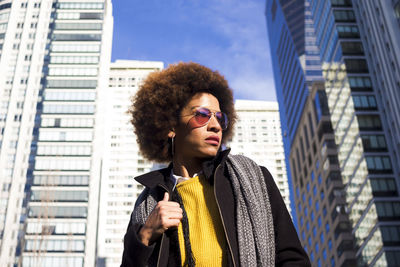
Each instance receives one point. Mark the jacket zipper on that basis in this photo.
(222, 219)
(162, 237)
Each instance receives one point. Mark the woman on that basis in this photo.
(207, 208)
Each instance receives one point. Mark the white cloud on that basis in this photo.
(245, 61)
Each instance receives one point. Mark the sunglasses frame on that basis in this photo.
(197, 114)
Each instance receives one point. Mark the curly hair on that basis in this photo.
(158, 103)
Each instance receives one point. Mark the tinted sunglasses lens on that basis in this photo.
(202, 116)
(222, 119)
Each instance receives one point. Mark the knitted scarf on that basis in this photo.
(254, 222)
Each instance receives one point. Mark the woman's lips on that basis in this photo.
(213, 140)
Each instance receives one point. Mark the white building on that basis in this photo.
(122, 159)
(54, 63)
(258, 136)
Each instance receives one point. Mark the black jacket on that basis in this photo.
(289, 251)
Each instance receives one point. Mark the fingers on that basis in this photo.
(166, 196)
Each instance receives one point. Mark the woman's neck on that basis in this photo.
(186, 168)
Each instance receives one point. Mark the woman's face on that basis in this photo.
(193, 141)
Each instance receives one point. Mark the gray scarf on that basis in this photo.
(254, 220)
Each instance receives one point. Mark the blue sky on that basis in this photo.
(226, 35)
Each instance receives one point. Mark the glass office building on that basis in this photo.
(54, 64)
(362, 217)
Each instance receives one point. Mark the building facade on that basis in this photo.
(366, 193)
(122, 159)
(380, 34)
(258, 136)
(54, 63)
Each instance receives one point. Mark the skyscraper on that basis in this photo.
(359, 174)
(380, 34)
(258, 136)
(122, 159)
(53, 74)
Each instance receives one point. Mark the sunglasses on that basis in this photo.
(202, 116)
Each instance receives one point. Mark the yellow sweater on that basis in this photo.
(207, 237)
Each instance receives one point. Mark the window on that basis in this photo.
(59, 228)
(61, 150)
(77, 26)
(67, 122)
(70, 261)
(369, 122)
(383, 187)
(58, 212)
(55, 245)
(73, 71)
(69, 96)
(78, 5)
(378, 164)
(76, 37)
(352, 48)
(356, 65)
(388, 210)
(364, 102)
(344, 16)
(61, 180)
(341, 2)
(59, 196)
(391, 235)
(68, 109)
(59, 164)
(84, 48)
(348, 32)
(71, 83)
(74, 59)
(78, 15)
(374, 142)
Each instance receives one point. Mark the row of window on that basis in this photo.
(69, 96)
(348, 31)
(369, 122)
(59, 196)
(62, 164)
(65, 136)
(73, 72)
(4, 16)
(77, 26)
(58, 228)
(67, 122)
(388, 210)
(74, 59)
(78, 5)
(374, 142)
(352, 48)
(71, 83)
(78, 15)
(68, 109)
(61, 180)
(384, 187)
(57, 212)
(344, 15)
(364, 102)
(51, 261)
(64, 150)
(55, 245)
(76, 37)
(379, 164)
(86, 48)
(360, 83)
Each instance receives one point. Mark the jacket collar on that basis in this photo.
(162, 176)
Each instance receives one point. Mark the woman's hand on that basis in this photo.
(165, 215)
